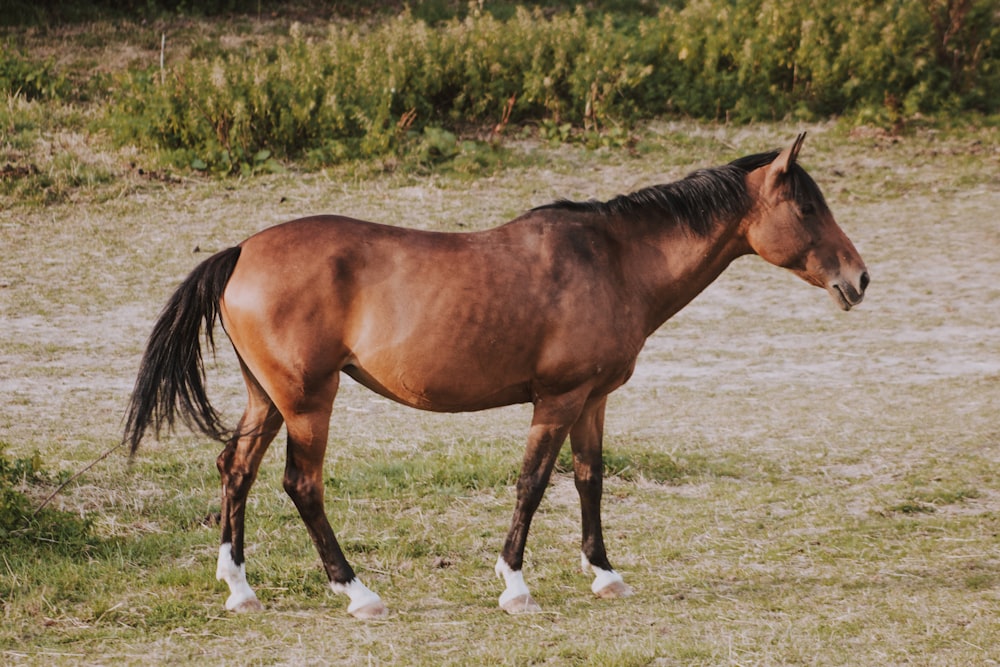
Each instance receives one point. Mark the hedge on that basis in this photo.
(363, 91)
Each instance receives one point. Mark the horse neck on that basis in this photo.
(668, 265)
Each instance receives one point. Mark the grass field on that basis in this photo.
(791, 485)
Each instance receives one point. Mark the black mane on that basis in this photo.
(699, 200)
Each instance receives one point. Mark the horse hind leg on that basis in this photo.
(238, 465)
(308, 426)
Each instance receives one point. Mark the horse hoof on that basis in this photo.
(522, 604)
(247, 606)
(371, 611)
(616, 589)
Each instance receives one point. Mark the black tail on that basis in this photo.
(172, 375)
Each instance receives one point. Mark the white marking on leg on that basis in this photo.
(607, 583)
(241, 596)
(516, 599)
(513, 579)
(365, 603)
(604, 579)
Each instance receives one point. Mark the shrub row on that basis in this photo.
(362, 92)
(28, 78)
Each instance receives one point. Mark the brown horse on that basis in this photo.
(550, 309)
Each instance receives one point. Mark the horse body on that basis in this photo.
(551, 308)
(444, 322)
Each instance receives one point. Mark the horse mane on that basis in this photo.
(701, 199)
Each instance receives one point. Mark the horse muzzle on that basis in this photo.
(849, 293)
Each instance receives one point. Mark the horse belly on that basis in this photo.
(440, 387)
(448, 346)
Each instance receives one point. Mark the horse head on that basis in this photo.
(792, 227)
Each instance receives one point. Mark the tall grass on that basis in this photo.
(359, 93)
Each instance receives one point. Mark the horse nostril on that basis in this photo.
(864, 281)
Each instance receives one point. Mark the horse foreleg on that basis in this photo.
(238, 465)
(586, 440)
(303, 482)
(549, 428)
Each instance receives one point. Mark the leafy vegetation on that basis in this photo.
(20, 522)
(30, 79)
(389, 86)
(369, 91)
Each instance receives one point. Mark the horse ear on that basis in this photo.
(782, 164)
(787, 157)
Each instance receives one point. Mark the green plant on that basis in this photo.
(361, 93)
(18, 519)
(365, 91)
(29, 78)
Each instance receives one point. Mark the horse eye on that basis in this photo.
(808, 209)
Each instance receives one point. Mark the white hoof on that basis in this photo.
(371, 611)
(607, 583)
(241, 596)
(243, 605)
(522, 604)
(616, 589)
(365, 604)
(515, 599)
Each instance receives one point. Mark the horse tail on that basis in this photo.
(171, 377)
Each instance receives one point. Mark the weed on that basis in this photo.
(19, 521)
(20, 76)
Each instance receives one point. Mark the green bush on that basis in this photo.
(29, 79)
(766, 59)
(362, 92)
(18, 519)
